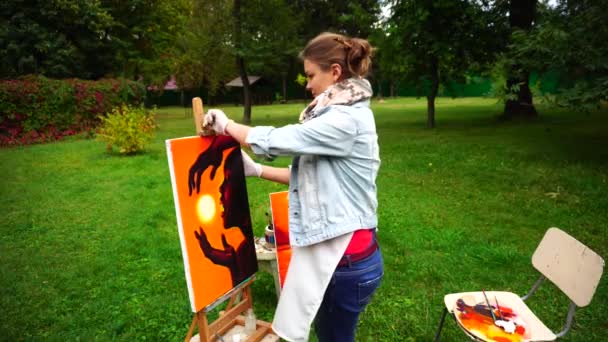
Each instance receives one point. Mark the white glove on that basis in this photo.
(251, 168)
(216, 120)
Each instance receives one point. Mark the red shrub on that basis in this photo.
(37, 109)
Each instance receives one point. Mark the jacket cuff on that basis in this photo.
(259, 140)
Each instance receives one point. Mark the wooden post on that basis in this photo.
(198, 114)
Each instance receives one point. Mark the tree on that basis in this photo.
(240, 60)
(54, 38)
(144, 36)
(90, 39)
(228, 37)
(264, 33)
(440, 41)
(522, 14)
(569, 40)
(355, 18)
(202, 51)
(580, 52)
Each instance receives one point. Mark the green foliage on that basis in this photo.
(355, 18)
(502, 92)
(567, 40)
(127, 128)
(430, 43)
(55, 38)
(145, 37)
(204, 55)
(90, 39)
(301, 80)
(461, 35)
(37, 109)
(269, 46)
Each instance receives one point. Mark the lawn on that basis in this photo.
(89, 248)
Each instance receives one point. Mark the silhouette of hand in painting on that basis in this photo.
(227, 248)
(224, 257)
(203, 241)
(210, 157)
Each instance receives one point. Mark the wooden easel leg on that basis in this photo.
(203, 327)
(191, 329)
(200, 320)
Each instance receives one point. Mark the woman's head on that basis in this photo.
(330, 57)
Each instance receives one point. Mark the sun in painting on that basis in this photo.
(205, 208)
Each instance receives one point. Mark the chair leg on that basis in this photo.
(445, 312)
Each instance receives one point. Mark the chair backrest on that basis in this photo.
(571, 266)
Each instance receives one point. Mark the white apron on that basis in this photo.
(309, 273)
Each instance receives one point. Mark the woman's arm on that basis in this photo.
(238, 131)
(275, 174)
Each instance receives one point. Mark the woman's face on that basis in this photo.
(319, 80)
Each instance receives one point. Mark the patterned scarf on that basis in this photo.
(345, 92)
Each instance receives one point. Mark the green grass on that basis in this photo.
(89, 248)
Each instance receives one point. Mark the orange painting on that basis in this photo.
(280, 221)
(213, 218)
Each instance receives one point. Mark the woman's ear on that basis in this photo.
(336, 72)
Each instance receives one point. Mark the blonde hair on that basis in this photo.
(354, 55)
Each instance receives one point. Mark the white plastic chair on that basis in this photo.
(571, 266)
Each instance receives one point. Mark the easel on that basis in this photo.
(240, 299)
(240, 302)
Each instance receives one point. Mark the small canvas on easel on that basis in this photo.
(280, 221)
(213, 218)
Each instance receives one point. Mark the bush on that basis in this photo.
(128, 128)
(37, 109)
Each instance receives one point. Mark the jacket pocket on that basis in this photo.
(309, 193)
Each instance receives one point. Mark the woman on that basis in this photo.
(336, 265)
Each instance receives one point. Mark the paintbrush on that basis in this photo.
(489, 306)
(498, 308)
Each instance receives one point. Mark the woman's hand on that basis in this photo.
(216, 120)
(251, 168)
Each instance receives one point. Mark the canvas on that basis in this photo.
(280, 222)
(213, 217)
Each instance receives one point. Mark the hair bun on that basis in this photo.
(352, 54)
(358, 58)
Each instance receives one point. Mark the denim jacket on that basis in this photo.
(332, 189)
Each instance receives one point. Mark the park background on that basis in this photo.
(491, 118)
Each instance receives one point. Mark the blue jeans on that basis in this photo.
(348, 293)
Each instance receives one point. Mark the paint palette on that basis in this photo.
(476, 318)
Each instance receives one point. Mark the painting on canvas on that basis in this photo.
(280, 222)
(213, 217)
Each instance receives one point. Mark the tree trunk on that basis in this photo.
(240, 62)
(380, 96)
(392, 91)
(521, 16)
(284, 88)
(430, 98)
(246, 90)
